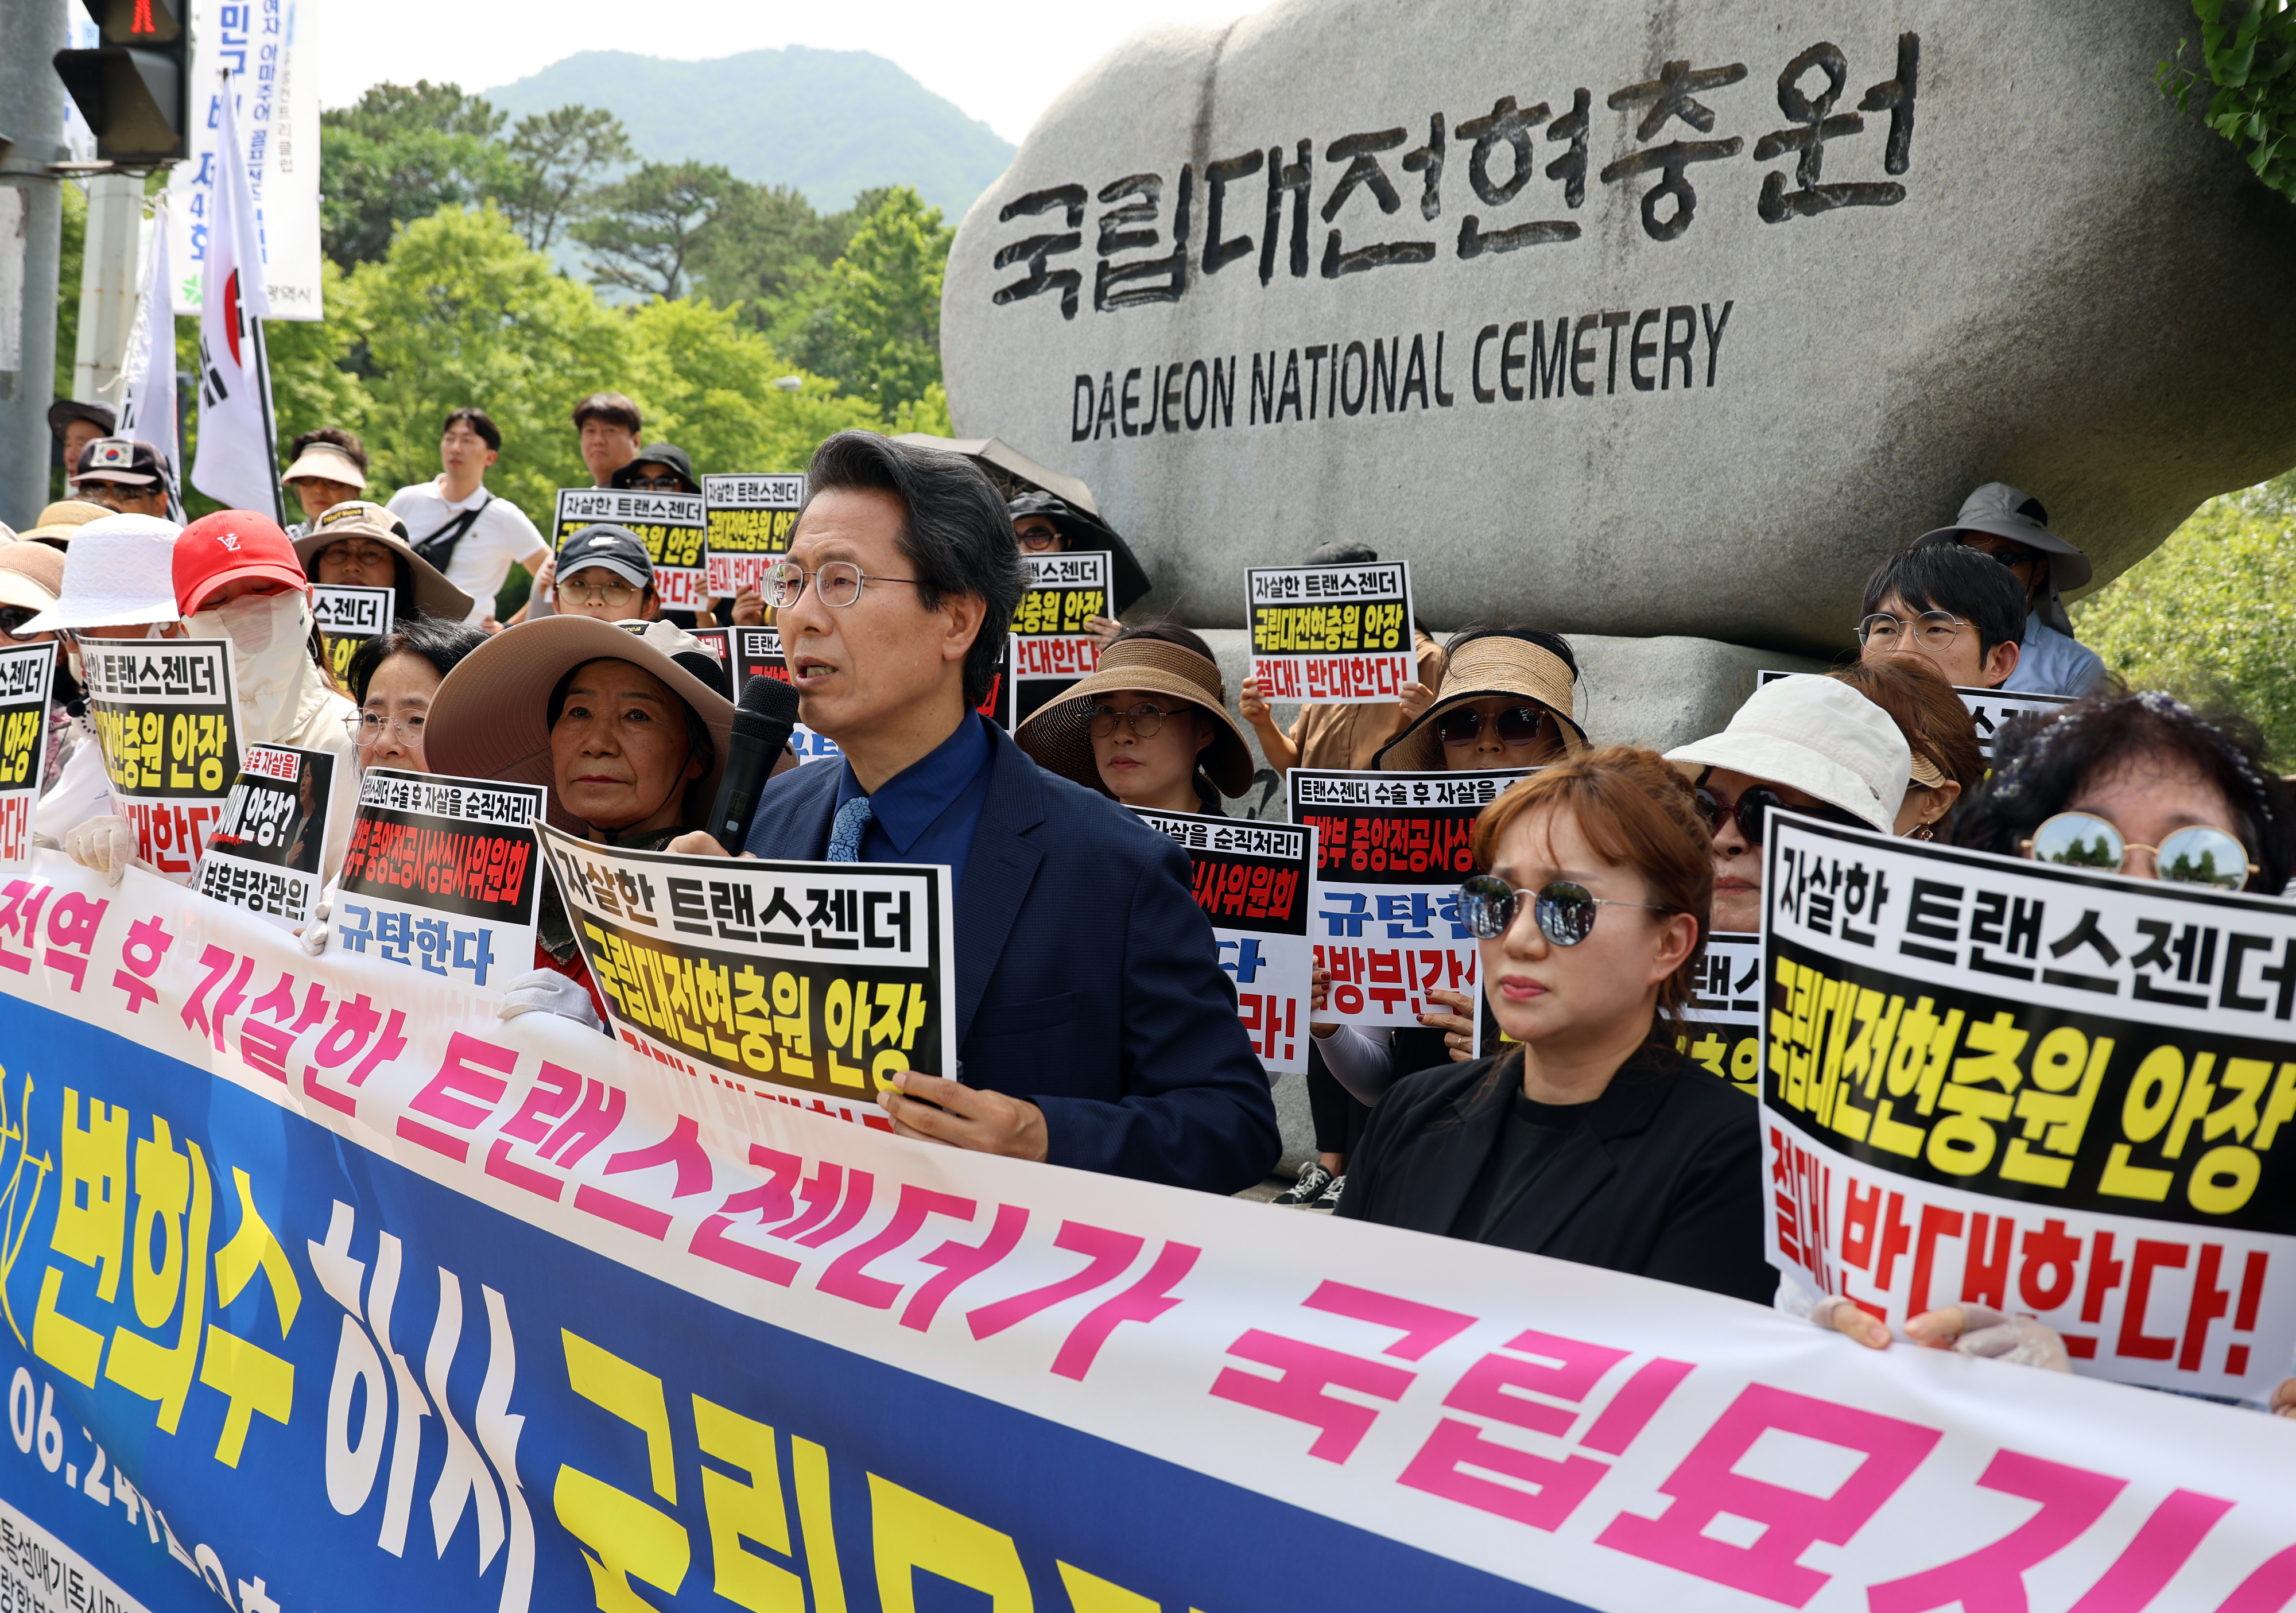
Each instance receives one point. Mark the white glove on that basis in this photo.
(550, 992)
(315, 934)
(106, 844)
(2019, 1341)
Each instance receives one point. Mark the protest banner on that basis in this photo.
(757, 653)
(1252, 881)
(318, 1300)
(1324, 636)
(442, 876)
(1053, 647)
(27, 672)
(347, 615)
(269, 851)
(1726, 1012)
(750, 517)
(2045, 1089)
(796, 982)
(674, 527)
(1988, 707)
(1390, 851)
(166, 713)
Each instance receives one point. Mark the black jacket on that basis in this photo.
(1661, 1178)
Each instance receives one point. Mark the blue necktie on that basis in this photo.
(845, 833)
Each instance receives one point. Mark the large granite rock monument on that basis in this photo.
(1669, 319)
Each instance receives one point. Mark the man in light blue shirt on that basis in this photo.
(2012, 526)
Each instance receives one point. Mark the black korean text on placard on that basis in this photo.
(444, 864)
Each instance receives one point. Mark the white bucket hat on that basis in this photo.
(117, 573)
(1818, 735)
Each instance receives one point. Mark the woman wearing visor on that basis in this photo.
(1590, 1138)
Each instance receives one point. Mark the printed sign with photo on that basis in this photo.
(1326, 635)
(268, 851)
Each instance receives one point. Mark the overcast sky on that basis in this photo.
(1001, 61)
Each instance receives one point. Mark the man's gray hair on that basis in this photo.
(957, 536)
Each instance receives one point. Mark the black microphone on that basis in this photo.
(762, 723)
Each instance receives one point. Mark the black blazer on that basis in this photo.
(1664, 1178)
(1087, 980)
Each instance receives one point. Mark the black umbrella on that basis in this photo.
(1067, 502)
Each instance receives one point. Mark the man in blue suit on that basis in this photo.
(1095, 1027)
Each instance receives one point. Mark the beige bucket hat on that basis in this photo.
(31, 576)
(491, 719)
(61, 520)
(1501, 662)
(1059, 735)
(434, 595)
(1818, 735)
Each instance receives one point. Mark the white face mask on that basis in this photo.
(270, 636)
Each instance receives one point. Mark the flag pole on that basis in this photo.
(270, 427)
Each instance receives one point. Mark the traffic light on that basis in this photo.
(134, 87)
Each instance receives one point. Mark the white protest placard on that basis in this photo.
(166, 713)
(674, 527)
(1328, 635)
(1390, 851)
(1253, 880)
(1727, 1009)
(2043, 1089)
(1053, 645)
(811, 983)
(269, 848)
(26, 673)
(347, 615)
(750, 517)
(442, 876)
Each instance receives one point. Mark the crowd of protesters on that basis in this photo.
(1114, 1046)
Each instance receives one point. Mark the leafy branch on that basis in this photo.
(2247, 48)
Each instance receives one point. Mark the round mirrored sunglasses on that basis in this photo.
(1565, 910)
(2197, 855)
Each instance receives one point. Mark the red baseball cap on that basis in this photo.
(228, 545)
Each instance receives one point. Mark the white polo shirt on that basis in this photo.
(501, 535)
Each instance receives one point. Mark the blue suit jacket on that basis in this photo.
(1087, 977)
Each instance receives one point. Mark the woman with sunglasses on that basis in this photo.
(1589, 1138)
(1807, 744)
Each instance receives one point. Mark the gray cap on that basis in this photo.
(618, 549)
(2005, 511)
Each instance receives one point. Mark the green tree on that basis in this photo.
(2211, 615)
(763, 238)
(873, 321)
(401, 153)
(2248, 54)
(715, 388)
(648, 226)
(556, 160)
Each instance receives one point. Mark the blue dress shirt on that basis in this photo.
(928, 811)
(2050, 663)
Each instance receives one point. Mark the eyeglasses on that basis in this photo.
(1145, 721)
(1038, 543)
(1932, 630)
(614, 594)
(837, 582)
(13, 619)
(668, 483)
(1565, 910)
(1515, 725)
(366, 728)
(2197, 855)
(2013, 556)
(1754, 805)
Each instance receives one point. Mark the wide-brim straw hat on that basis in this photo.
(1493, 663)
(59, 521)
(434, 595)
(490, 718)
(1059, 735)
(1818, 735)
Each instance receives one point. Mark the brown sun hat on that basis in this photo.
(434, 595)
(1505, 662)
(326, 462)
(1059, 735)
(61, 520)
(31, 576)
(491, 719)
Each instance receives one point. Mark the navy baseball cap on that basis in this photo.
(617, 549)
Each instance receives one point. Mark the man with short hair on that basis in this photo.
(610, 424)
(460, 527)
(1095, 1027)
(123, 475)
(75, 424)
(1951, 606)
(2012, 527)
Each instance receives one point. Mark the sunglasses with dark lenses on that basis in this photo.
(1754, 804)
(1515, 725)
(2196, 855)
(665, 483)
(13, 619)
(1565, 910)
